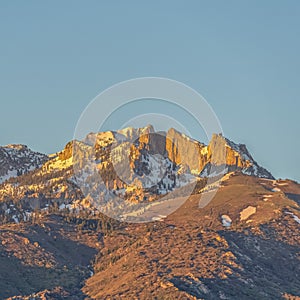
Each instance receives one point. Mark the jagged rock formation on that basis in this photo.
(235, 157)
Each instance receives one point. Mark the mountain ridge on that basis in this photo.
(243, 244)
(132, 134)
(136, 167)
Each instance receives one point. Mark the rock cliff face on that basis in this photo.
(142, 159)
(235, 157)
(193, 155)
(186, 151)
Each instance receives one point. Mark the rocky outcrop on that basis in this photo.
(67, 152)
(235, 157)
(219, 155)
(183, 150)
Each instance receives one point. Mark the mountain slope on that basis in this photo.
(191, 254)
(47, 255)
(16, 160)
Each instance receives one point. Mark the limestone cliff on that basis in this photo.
(183, 150)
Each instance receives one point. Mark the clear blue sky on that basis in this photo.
(242, 56)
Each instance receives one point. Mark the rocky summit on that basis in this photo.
(63, 234)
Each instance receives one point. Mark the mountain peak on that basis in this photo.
(181, 149)
(18, 159)
(236, 157)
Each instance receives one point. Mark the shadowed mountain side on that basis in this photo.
(44, 256)
(262, 274)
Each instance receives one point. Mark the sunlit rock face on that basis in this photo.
(222, 151)
(184, 150)
(197, 157)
